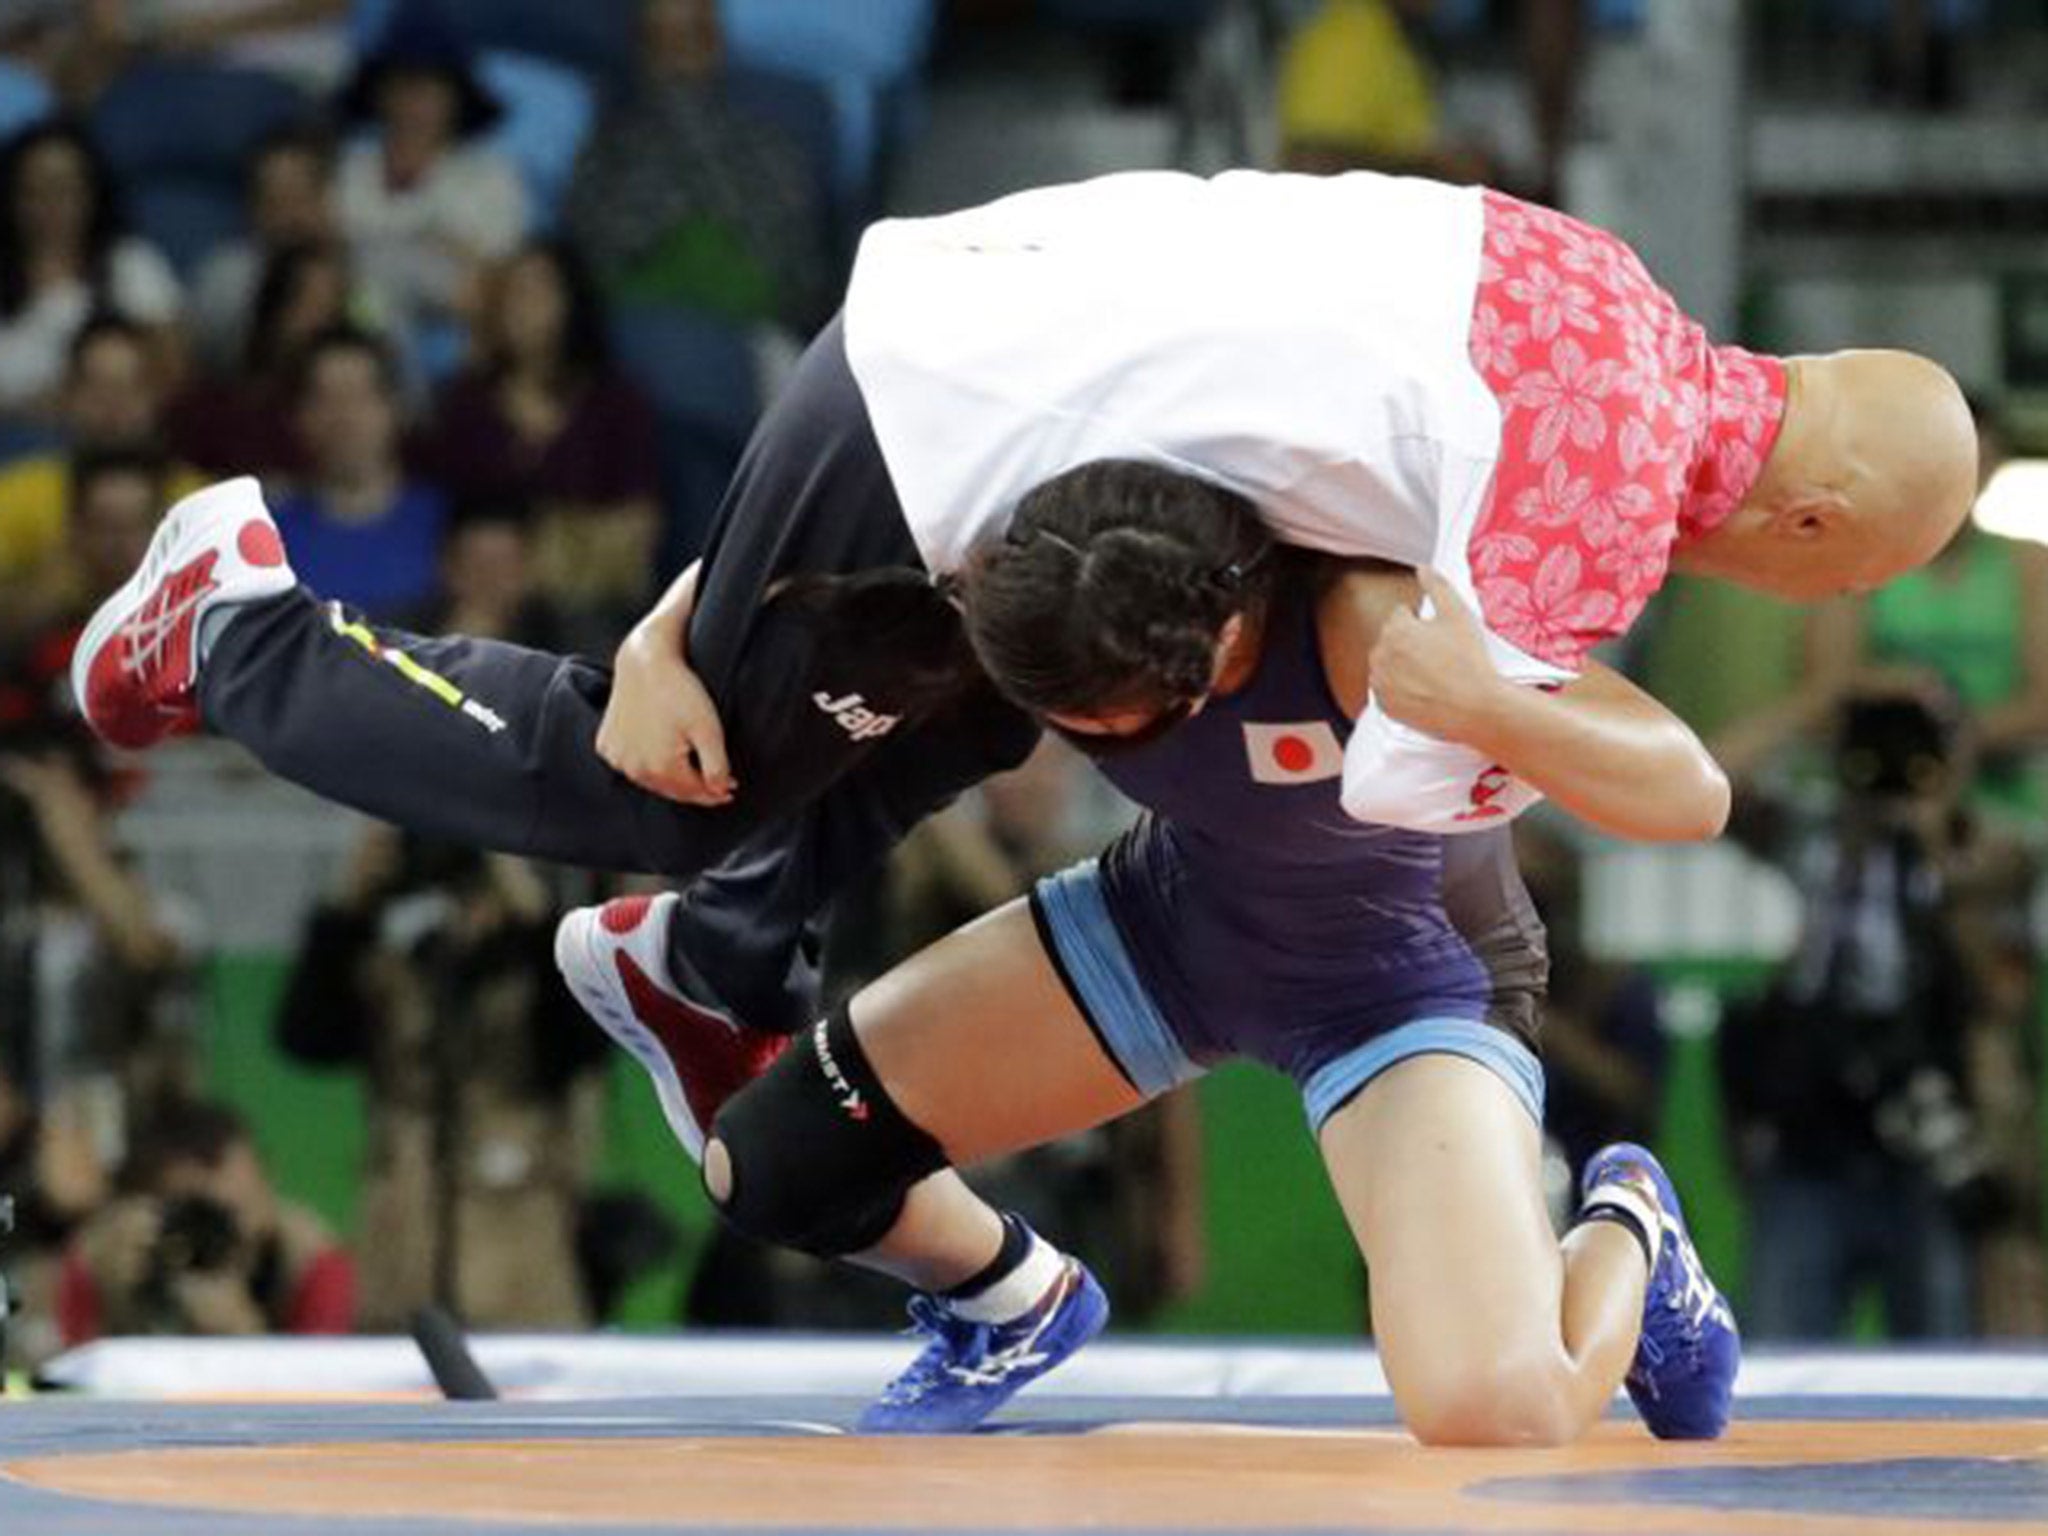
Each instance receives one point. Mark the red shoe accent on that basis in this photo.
(140, 685)
(625, 914)
(260, 545)
(713, 1059)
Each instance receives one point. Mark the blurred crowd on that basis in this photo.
(488, 295)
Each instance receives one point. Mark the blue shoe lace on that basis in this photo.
(1682, 1305)
(952, 1338)
(965, 1354)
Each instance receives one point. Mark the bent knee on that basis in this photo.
(1493, 1406)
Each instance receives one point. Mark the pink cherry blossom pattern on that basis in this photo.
(1551, 303)
(1501, 550)
(1556, 611)
(1566, 399)
(1639, 444)
(1743, 395)
(1495, 340)
(1637, 558)
(1622, 430)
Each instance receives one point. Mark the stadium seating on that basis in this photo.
(868, 55)
(594, 37)
(700, 372)
(178, 137)
(805, 114)
(549, 108)
(24, 98)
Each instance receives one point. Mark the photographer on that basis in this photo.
(201, 1244)
(51, 1171)
(1849, 1082)
(91, 960)
(430, 972)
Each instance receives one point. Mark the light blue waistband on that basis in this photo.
(1334, 1084)
(1091, 954)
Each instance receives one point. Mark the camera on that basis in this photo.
(1893, 746)
(198, 1236)
(1924, 1121)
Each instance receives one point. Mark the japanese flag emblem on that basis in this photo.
(1303, 753)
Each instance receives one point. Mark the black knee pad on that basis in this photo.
(821, 1157)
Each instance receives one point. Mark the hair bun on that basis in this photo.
(1135, 562)
(1144, 590)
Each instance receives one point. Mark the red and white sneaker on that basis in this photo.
(614, 958)
(137, 664)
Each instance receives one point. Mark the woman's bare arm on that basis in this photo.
(1598, 746)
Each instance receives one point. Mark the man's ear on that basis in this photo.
(1812, 515)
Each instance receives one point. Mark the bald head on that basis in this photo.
(1874, 470)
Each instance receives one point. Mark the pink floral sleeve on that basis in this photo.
(1624, 431)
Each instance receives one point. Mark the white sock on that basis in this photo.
(1017, 1292)
(1643, 1209)
(211, 627)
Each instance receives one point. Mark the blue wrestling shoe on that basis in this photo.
(1683, 1378)
(969, 1370)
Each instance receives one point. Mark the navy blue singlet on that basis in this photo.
(1264, 921)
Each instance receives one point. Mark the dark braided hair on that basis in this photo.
(1111, 589)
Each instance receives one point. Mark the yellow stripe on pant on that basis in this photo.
(411, 670)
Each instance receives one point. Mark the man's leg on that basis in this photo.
(739, 933)
(811, 495)
(493, 744)
(487, 743)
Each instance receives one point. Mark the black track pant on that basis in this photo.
(494, 745)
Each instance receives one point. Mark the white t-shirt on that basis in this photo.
(1301, 340)
(35, 344)
(415, 242)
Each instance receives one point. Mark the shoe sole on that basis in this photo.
(583, 970)
(183, 536)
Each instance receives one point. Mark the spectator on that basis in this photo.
(113, 499)
(49, 1165)
(1919, 53)
(1850, 1084)
(430, 972)
(99, 979)
(85, 45)
(543, 416)
(1356, 94)
(1554, 53)
(685, 195)
(63, 255)
(306, 41)
(242, 423)
(201, 1244)
(291, 205)
(112, 399)
(489, 586)
(360, 528)
(1976, 615)
(423, 204)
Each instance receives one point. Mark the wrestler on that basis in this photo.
(1385, 368)
(1397, 976)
